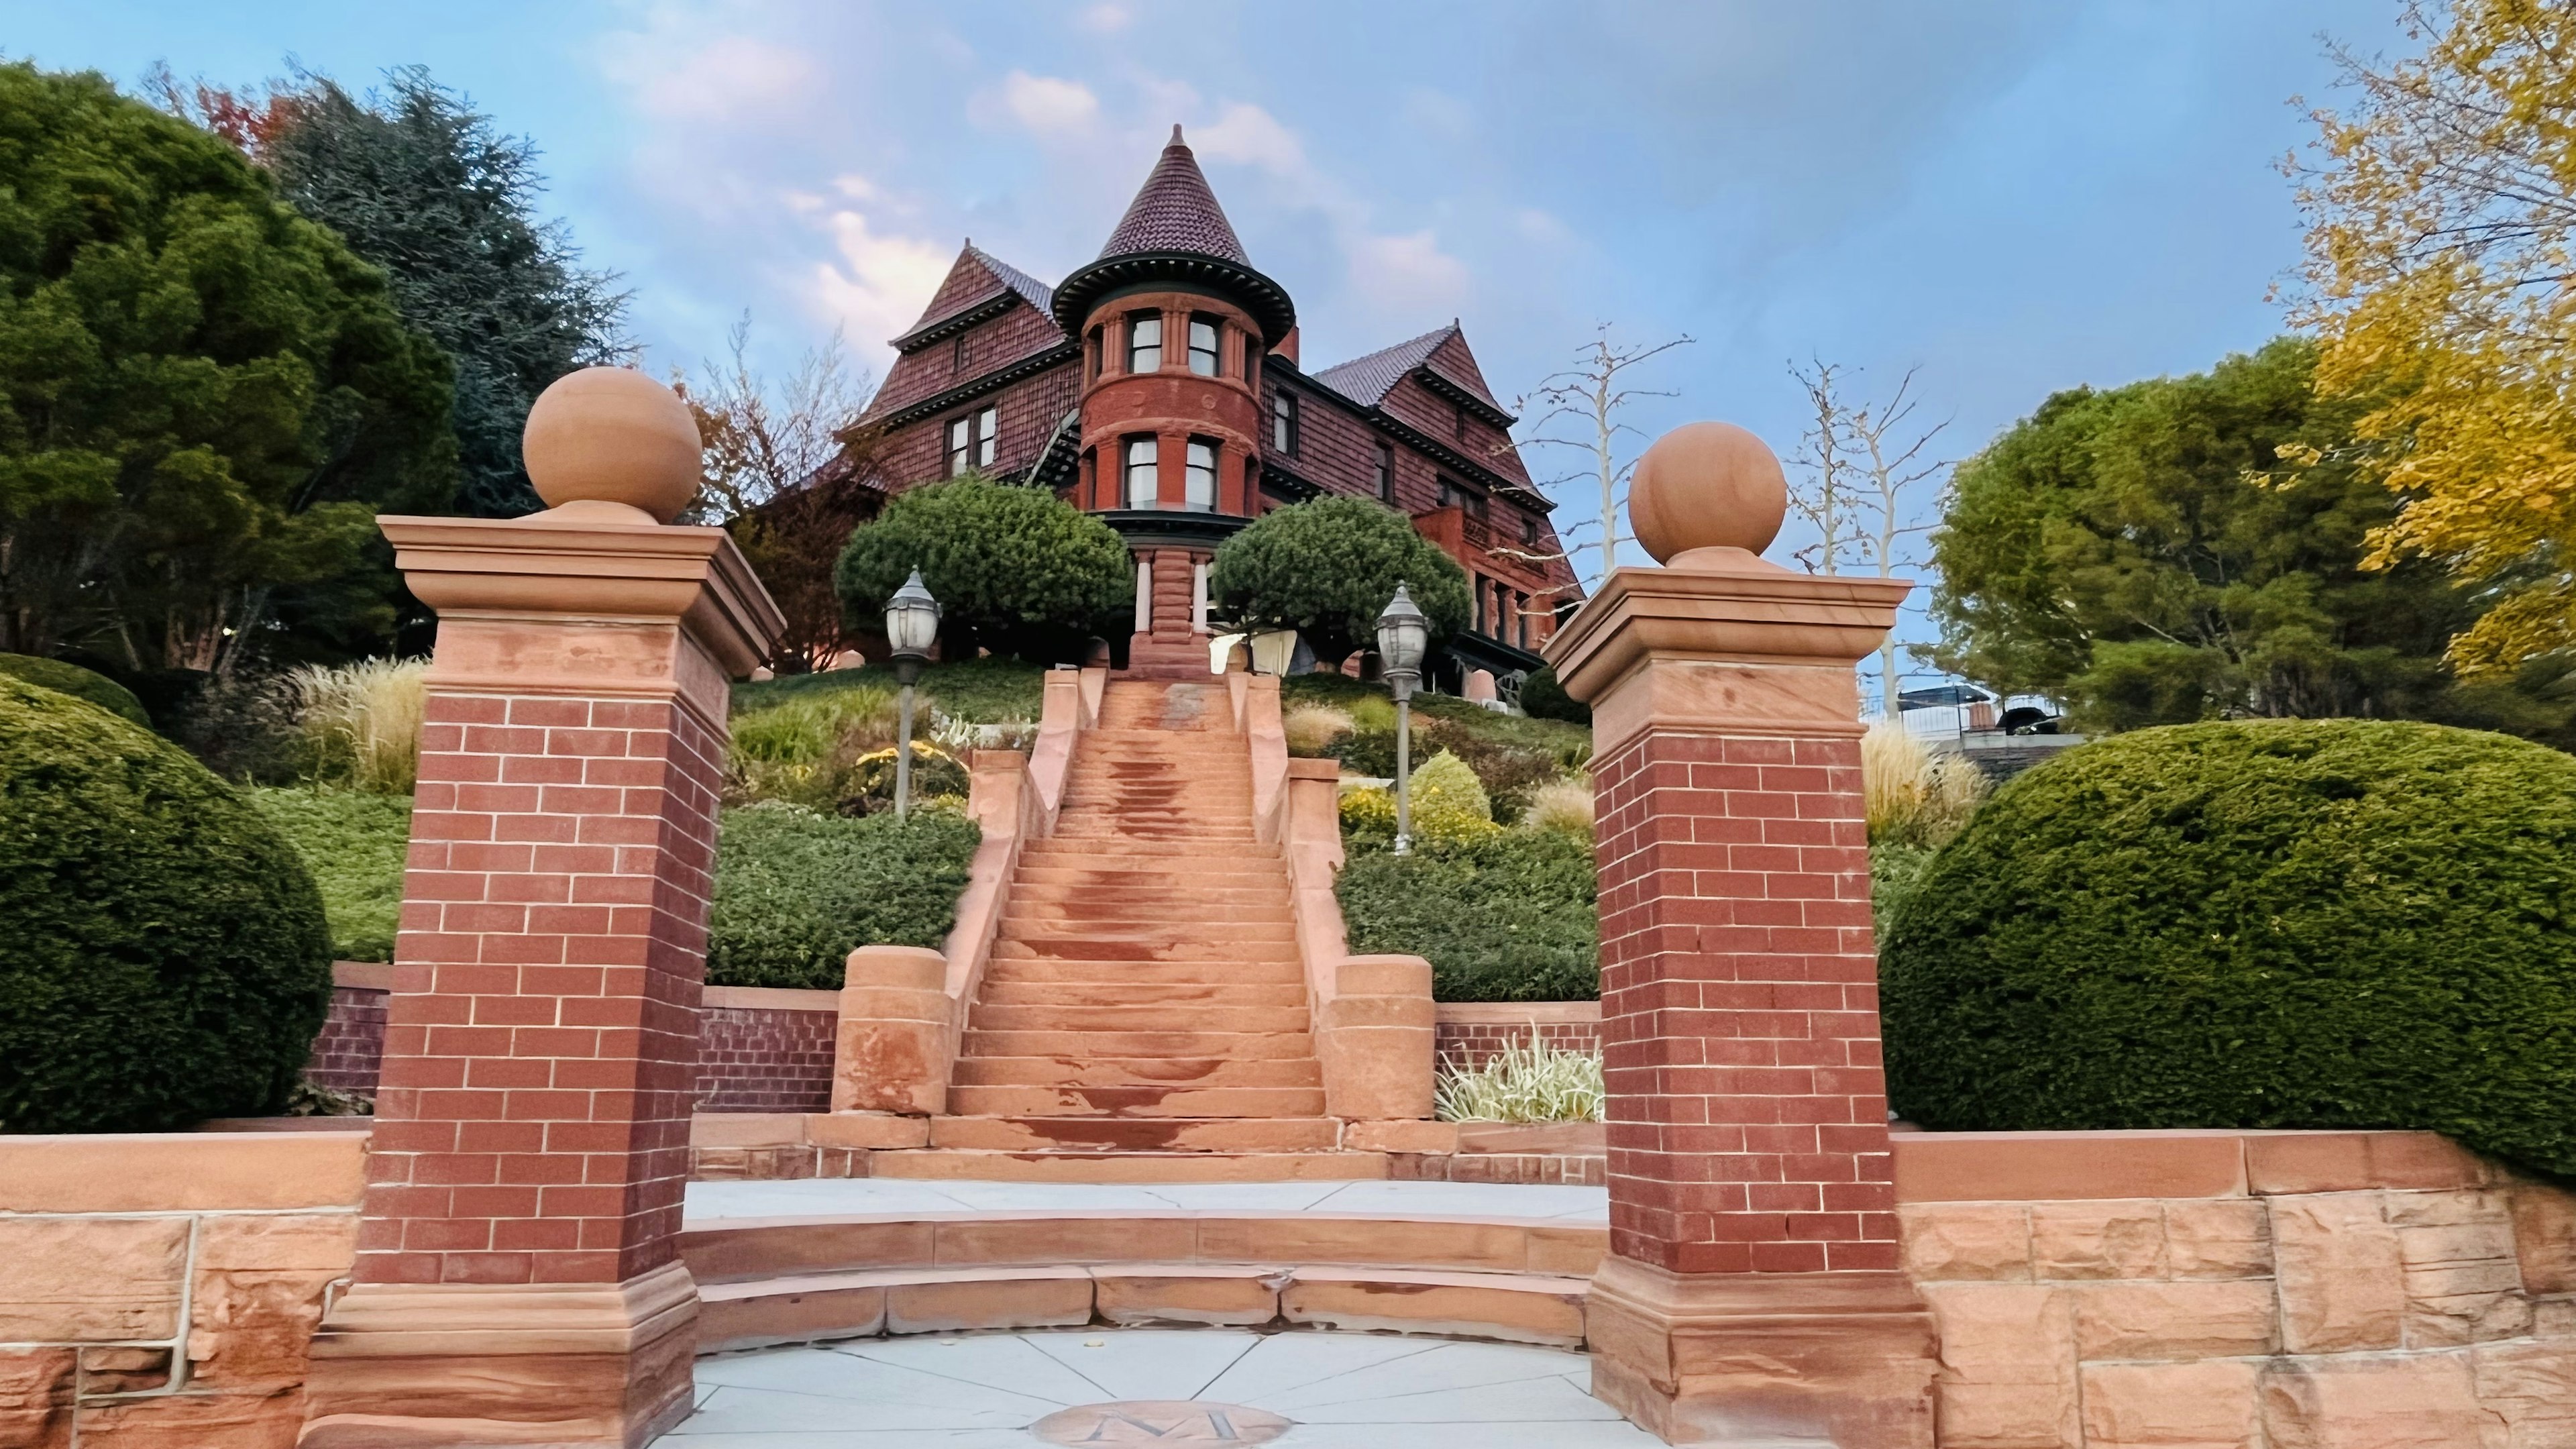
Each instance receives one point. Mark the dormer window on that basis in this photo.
(973, 441)
(1145, 342)
(1283, 423)
(1203, 359)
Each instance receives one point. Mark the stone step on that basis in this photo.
(1137, 974)
(1058, 1017)
(1114, 914)
(1136, 1134)
(1103, 948)
(1215, 929)
(1030, 892)
(937, 1164)
(1074, 1100)
(1023, 992)
(1103, 875)
(1086, 1045)
(1050, 846)
(1137, 1072)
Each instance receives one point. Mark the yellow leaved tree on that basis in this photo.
(2441, 284)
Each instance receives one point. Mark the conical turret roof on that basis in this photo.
(1174, 232)
(1175, 211)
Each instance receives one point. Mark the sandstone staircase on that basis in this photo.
(1145, 996)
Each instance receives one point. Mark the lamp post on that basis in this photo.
(1402, 636)
(912, 622)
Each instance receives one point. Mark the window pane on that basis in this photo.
(988, 440)
(1283, 423)
(1203, 348)
(1200, 480)
(1145, 343)
(1140, 473)
(1386, 473)
(957, 447)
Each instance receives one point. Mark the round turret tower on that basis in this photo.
(1173, 322)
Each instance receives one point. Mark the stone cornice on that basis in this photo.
(609, 571)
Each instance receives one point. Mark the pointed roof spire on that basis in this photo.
(1175, 211)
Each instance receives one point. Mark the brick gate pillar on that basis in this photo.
(516, 1279)
(1752, 1292)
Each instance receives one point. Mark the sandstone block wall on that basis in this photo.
(2339, 1291)
(159, 1291)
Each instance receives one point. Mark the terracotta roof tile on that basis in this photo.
(1176, 212)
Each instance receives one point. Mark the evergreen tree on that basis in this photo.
(1015, 570)
(1327, 569)
(423, 185)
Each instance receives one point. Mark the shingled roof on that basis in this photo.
(1175, 211)
(1367, 380)
(1038, 294)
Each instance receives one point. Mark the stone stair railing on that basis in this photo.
(903, 1008)
(1372, 1014)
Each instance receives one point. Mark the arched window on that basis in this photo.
(1199, 480)
(1140, 471)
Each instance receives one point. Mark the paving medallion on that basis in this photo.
(1160, 1421)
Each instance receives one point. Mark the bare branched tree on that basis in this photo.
(779, 474)
(1581, 412)
(1865, 484)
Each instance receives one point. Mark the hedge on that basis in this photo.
(796, 890)
(354, 842)
(2310, 924)
(77, 682)
(163, 956)
(1507, 916)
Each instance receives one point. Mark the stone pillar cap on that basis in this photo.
(1708, 496)
(611, 436)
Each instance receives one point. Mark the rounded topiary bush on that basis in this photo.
(2331, 923)
(77, 682)
(163, 956)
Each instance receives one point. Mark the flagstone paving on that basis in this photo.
(823, 1197)
(1200, 1387)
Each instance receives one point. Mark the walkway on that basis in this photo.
(712, 1202)
(1199, 1387)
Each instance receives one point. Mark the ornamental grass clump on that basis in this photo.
(1913, 796)
(361, 722)
(1522, 1082)
(1312, 728)
(1563, 805)
(2259, 924)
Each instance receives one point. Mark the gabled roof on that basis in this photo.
(1367, 380)
(1038, 294)
(978, 286)
(1175, 211)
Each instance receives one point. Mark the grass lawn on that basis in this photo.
(354, 844)
(987, 691)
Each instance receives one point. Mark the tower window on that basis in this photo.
(1199, 479)
(1145, 342)
(1385, 473)
(973, 441)
(1283, 423)
(1203, 347)
(1091, 355)
(1140, 469)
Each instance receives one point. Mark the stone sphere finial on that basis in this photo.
(612, 435)
(1707, 486)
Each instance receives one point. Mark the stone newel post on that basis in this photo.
(1752, 1292)
(516, 1279)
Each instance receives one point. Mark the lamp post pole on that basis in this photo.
(912, 622)
(1403, 635)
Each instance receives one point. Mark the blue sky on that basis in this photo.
(2013, 198)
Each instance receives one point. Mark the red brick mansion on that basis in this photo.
(1159, 387)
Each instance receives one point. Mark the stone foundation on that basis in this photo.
(161, 1290)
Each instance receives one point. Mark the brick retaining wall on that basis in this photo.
(758, 1050)
(1467, 1032)
(771, 1051)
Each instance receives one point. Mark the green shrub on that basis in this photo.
(1327, 569)
(795, 891)
(1542, 697)
(1447, 804)
(2268, 924)
(163, 956)
(77, 682)
(1018, 571)
(354, 842)
(1507, 916)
